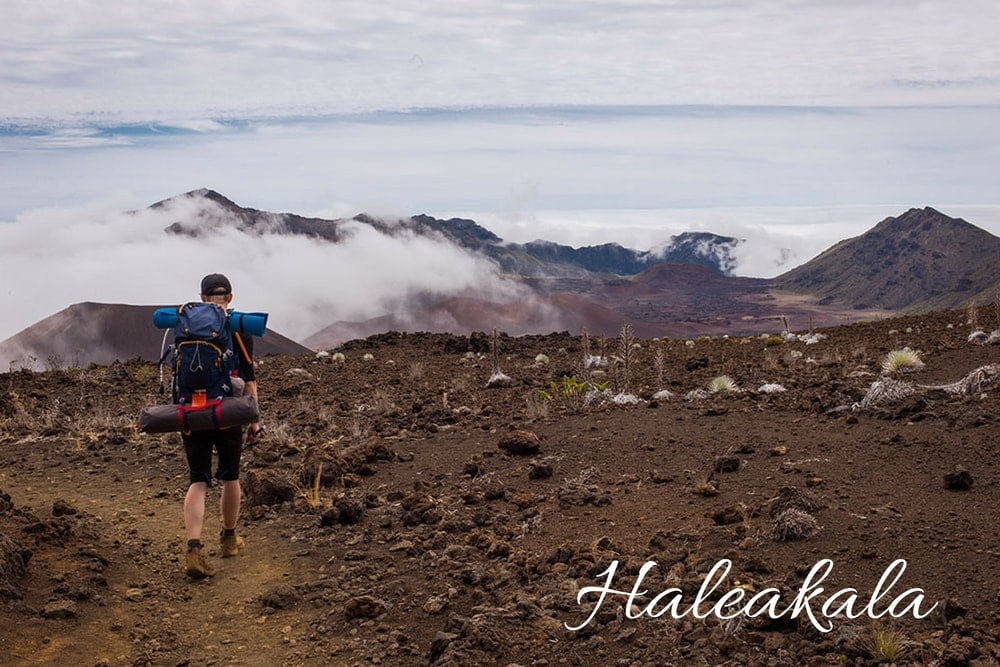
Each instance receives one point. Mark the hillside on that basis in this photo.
(919, 261)
(100, 333)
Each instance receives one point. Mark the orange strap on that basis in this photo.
(243, 348)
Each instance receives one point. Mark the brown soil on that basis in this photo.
(430, 543)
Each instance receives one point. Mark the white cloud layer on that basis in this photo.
(53, 258)
(173, 59)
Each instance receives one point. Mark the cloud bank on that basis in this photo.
(183, 59)
(52, 258)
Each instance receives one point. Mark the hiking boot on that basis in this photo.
(231, 545)
(196, 565)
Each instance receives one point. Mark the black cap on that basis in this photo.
(215, 283)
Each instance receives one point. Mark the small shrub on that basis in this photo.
(626, 356)
(973, 316)
(723, 384)
(499, 379)
(883, 643)
(996, 307)
(312, 494)
(706, 486)
(885, 390)
(793, 524)
(771, 341)
(569, 387)
(537, 405)
(902, 361)
(625, 398)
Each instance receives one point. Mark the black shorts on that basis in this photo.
(198, 448)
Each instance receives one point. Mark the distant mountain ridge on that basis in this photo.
(921, 260)
(537, 259)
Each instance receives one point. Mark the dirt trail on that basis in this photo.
(136, 522)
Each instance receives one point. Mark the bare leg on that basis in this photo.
(230, 503)
(194, 510)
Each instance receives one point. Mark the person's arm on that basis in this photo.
(253, 430)
(248, 373)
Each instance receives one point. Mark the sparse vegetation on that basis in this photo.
(625, 359)
(793, 524)
(537, 404)
(706, 485)
(723, 384)
(497, 377)
(973, 317)
(903, 360)
(996, 307)
(882, 642)
(568, 388)
(591, 361)
(311, 494)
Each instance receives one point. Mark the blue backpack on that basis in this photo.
(204, 358)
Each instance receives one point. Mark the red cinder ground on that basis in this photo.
(385, 524)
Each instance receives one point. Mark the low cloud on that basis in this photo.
(52, 258)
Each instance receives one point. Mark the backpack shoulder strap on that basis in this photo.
(242, 346)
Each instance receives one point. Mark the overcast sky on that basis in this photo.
(794, 122)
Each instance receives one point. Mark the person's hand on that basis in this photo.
(254, 431)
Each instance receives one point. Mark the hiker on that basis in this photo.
(228, 444)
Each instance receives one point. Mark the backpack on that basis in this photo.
(204, 357)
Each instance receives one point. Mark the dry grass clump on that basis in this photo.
(882, 642)
(583, 490)
(790, 497)
(902, 361)
(793, 524)
(723, 385)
